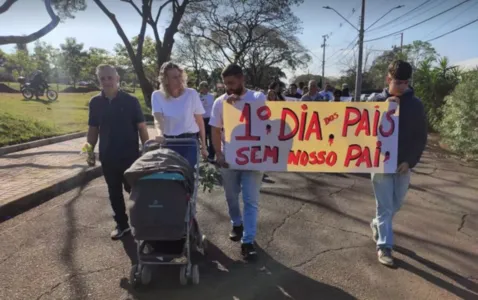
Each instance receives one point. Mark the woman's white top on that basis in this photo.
(178, 113)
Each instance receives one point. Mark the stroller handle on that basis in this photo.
(169, 141)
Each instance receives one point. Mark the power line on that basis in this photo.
(447, 22)
(451, 31)
(397, 18)
(414, 25)
(343, 50)
(426, 11)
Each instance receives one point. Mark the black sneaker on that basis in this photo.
(236, 233)
(248, 251)
(119, 232)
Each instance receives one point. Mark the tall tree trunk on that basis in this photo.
(164, 51)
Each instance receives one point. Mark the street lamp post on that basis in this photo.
(361, 32)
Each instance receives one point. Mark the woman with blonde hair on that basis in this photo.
(177, 109)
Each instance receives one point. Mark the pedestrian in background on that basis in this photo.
(207, 101)
(293, 92)
(313, 93)
(275, 86)
(337, 96)
(271, 95)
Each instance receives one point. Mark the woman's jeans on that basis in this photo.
(390, 191)
(249, 183)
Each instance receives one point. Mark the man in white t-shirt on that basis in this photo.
(235, 181)
(207, 101)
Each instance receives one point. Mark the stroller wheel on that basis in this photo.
(134, 279)
(195, 274)
(146, 275)
(183, 279)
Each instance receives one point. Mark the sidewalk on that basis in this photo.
(32, 176)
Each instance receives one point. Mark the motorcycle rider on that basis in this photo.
(38, 83)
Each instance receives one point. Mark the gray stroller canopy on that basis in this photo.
(161, 160)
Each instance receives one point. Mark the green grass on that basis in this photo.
(54, 86)
(25, 120)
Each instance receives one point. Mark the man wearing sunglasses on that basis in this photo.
(390, 189)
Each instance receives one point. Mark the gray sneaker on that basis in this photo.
(385, 257)
(119, 232)
(374, 232)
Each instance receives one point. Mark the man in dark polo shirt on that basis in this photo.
(116, 117)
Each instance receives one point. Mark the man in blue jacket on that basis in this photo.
(390, 189)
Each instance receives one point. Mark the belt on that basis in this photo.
(182, 136)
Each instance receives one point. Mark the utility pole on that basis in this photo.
(401, 42)
(358, 78)
(361, 31)
(325, 37)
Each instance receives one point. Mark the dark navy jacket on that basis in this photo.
(117, 121)
(412, 127)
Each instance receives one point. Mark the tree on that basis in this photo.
(163, 45)
(19, 63)
(459, 126)
(415, 53)
(265, 58)
(267, 75)
(92, 59)
(25, 39)
(42, 57)
(190, 51)
(233, 27)
(73, 58)
(432, 83)
(215, 76)
(150, 58)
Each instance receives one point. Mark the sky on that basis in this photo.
(94, 29)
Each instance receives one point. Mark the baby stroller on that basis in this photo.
(162, 206)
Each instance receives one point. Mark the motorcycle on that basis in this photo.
(28, 92)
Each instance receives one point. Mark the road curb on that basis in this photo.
(29, 201)
(42, 142)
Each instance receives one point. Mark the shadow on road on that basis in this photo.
(68, 252)
(462, 293)
(224, 278)
(468, 284)
(471, 256)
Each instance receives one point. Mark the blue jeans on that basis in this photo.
(390, 191)
(249, 182)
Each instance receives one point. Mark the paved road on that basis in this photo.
(314, 243)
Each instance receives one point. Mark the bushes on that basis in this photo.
(432, 84)
(459, 125)
(14, 129)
